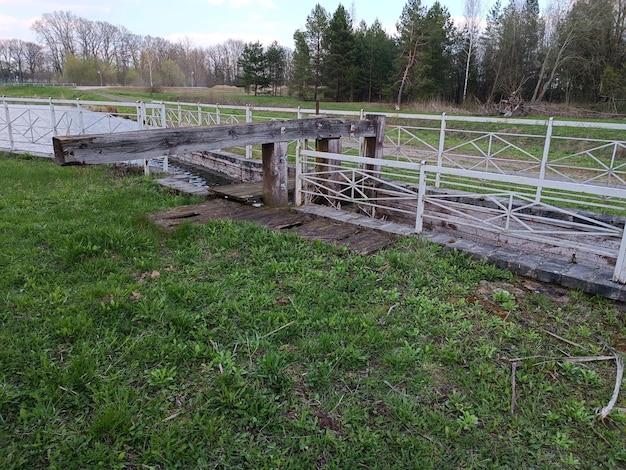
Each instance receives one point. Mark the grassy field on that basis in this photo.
(229, 346)
(224, 95)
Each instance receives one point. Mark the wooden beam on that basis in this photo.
(275, 193)
(135, 145)
(374, 145)
(326, 166)
(373, 148)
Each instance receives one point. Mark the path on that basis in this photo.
(357, 238)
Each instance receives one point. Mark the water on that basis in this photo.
(197, 175)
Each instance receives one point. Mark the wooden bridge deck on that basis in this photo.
(311, 226)
(364, 235)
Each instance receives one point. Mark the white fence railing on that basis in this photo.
(28, 124)
(476, 200)
(549, 149)
(535, 165)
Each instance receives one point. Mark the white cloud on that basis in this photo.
(16, 28)
(215, 38)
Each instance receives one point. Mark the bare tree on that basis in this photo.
(127, 53)
(34, 58)
(148, 57)
(5, 59)
(17, 56)
(557, 46)
(411, 40)
(108, 36)
(234, 49)
(87, 38)
(56, 30)
(472, 13)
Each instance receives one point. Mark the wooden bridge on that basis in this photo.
(368, 182)
(273, 137)
(274, 189)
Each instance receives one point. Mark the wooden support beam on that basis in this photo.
(374, 144)
(275, 193)
(373, 148)
(326, 166)
(134, 145)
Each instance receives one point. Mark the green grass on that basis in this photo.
(215, 95)
(59, 93)
(227, 345)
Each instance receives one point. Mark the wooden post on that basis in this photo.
(620, 265)
(328, 167)
(275, 192)
(373, 148)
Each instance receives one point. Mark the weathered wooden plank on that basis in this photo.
(367, 241)
(359, 239)
(275, 174)
(134, 145)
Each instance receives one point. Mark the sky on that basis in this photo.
(206, 22)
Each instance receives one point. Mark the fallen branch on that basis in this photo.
(513, 371)
(576, 359)
(286, 325)
(619, 363)
(565, 359)
(554, 335)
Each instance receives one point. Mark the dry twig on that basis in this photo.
(619, 363)
(513, 371)
(286, 325)
(554, 335)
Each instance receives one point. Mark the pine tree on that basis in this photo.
(376, 52)
(339, 66)
(253, 64)
(316, 24)
(276, 66)
(302, 75)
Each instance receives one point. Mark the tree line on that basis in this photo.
(574, 51)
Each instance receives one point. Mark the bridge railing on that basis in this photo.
(28, 124)
(455, 152)
(552, 149)
(472, 201)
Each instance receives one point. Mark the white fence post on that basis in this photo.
(248, 119)
(7, 114)
(362, 139)
(218, 118)
(421, 194)
(81, 118)
(53, 118)
(140, 115)
(620, 264)
(141, 124)
(544, 159)
(442, 140)
(163, 115)
(297, 196)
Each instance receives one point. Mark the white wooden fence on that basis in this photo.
(479, 201)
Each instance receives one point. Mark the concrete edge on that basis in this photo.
(593, 281)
